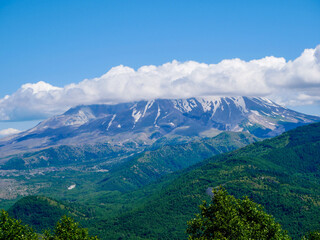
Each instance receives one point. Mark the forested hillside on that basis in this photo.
(281, 173)
(91, 169)
(151, 165)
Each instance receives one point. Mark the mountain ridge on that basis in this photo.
(144, 122)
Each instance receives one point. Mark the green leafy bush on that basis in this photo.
(68, 229)
(12, 229)
(230, 218)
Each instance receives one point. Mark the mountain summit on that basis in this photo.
(144, 122)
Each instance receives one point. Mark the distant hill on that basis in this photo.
(66, 155)
(143, 123)
(151, 165)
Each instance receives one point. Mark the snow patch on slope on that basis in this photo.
(240, 103)
(148, 106)
(210, 104)
(183, 105)
(113, 117)
(136, 115)
(82, 117)
(158, 115)
(269, 102)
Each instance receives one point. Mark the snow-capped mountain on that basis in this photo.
(144, 122)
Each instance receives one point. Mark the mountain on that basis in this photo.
(144, 122)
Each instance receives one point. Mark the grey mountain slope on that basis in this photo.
(144, 122)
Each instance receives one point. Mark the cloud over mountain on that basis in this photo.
(288, 82)
(8, 131)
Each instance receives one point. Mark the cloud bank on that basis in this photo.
(9, 131)
(294, 82)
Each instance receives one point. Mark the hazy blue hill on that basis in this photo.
(65, 155)
(281, 173)
(151, 165)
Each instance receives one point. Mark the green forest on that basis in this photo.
(224, 218)
(281, 174)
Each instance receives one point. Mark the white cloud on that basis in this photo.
(289, 82)
(9, 131)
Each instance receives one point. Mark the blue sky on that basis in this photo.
(64, 42)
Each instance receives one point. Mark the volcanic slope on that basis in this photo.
(144, 122)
